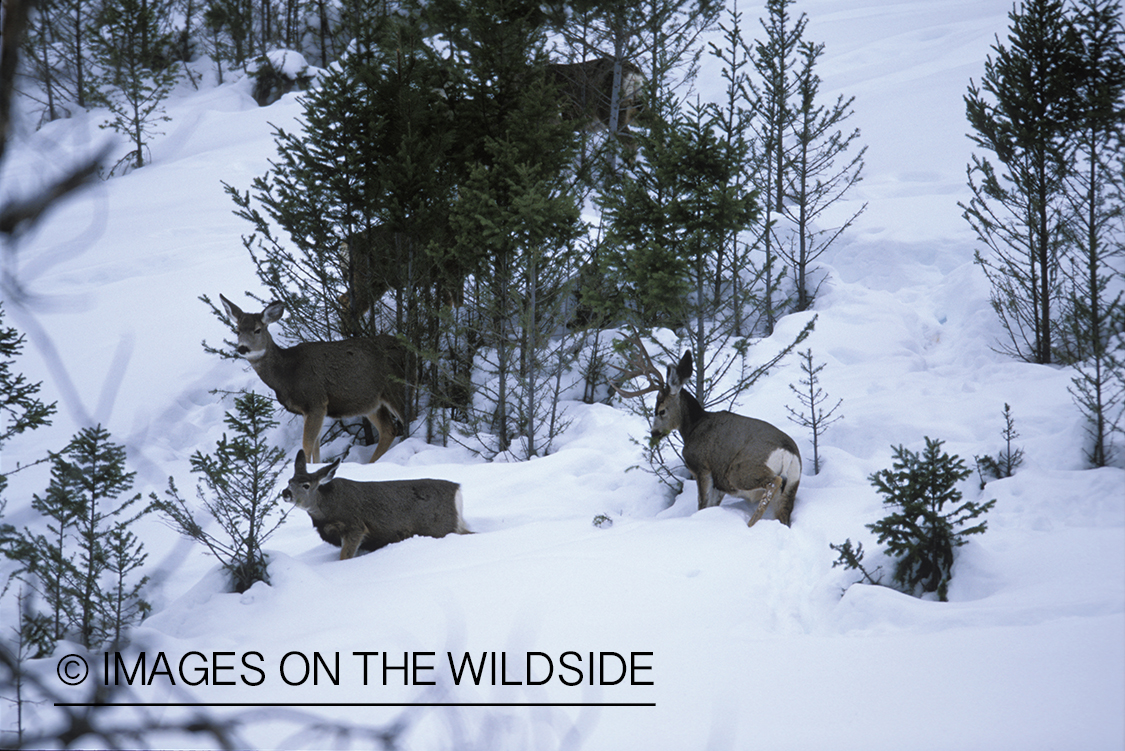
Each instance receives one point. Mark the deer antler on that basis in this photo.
(640, 364)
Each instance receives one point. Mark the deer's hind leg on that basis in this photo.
(771, 490)
(785, 505)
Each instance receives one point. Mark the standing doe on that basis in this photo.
(350, 378)
(725, 452)
(370, 515)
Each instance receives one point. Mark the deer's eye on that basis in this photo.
(305, 485)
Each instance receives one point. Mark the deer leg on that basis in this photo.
(709, 495)
(310, 440)
(772, 488)
(785, 506)
(383, 421)
(349, 542)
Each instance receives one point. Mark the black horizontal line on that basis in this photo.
(359, 704)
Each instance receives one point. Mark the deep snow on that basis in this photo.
(754, 641)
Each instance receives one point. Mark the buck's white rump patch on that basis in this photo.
(784, 464)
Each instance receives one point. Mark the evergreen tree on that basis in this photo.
(58, 55)
(920, 532)
(802, 159)
(123, 603)
(361, 195)
(736, 277)
(850, 557)
(813, 415)
(515, 217)
(775, 60)
(226, 25)
(671, 220)
(237, 487)
(95, 468)
(1005, 463)
(669, 228)
(642, 252)
(23, 411)
(82, 566)
(50, 557)
(130, 46)
(316, 194)
(1093, 320)
(813, 181)
(713, 205)
(1022, 113)
(42, 64)
(20, 404)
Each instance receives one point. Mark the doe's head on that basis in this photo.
(302, 488)
(252, 328)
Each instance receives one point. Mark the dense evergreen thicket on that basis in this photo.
(435, 186)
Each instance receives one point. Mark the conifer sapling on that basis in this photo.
(921, 533)
(1008, 460)
(236, 486)
(812, 398)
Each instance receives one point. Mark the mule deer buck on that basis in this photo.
(369, 515)
(349, 378)
(725, 452)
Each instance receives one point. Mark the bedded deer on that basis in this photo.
(358, 516)
(726, 453)
(348, 378)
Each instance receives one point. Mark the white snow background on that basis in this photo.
(756, 641)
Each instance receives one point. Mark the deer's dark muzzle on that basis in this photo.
(243, 349)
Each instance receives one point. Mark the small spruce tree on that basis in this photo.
(237, 487)
(812, 398)
(95, 472)
(88, 546)
(1005, 463)
(22, 410)
(19, 400)
(1093, 317)
(851, 557)
(130, 41)
(48, 557)
(123, 603)
(921, 533)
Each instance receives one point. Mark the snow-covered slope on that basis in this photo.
(741, 638)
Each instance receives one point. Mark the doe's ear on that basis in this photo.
(324, 476)
(273, 311)
(299, 462)
(232, 310)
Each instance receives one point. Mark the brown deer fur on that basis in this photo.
(348, 378)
